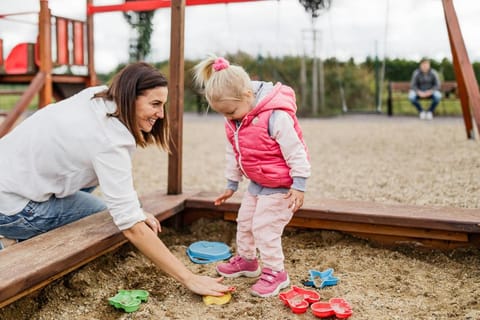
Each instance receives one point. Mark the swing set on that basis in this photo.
(32, 264)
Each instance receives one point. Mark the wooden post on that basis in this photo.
(467, 84)
(45, 46)
(390, 100)
(176, 89)
(90, 52)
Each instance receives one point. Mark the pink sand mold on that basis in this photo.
(337, 307)
(298, 299)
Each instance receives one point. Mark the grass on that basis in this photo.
(448, 106)
(401, 106)
(8, 101)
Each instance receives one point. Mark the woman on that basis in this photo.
(51, 162)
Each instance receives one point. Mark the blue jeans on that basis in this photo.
(40, 217)
(414, 99)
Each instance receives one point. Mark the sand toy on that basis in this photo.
(298, 299)
(337, 307)
(208, 300)
(203, 252)
(321, 279)
(129, 300)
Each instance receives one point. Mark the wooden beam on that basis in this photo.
(395, 215)
(22, 104)
(34, 263)
(463, 68)
(398, 241)
(368, 228)
(176, 91)
(92, 81)
(148, 5)
(45, 52)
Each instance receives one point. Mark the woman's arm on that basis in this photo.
(147, 241)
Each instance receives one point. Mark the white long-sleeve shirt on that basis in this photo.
(68, 146)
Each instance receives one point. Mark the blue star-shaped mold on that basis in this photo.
(321, 279)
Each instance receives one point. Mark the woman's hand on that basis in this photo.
(204, 285)
(296, 199)
(153, 223)
(154, 248)
(226, 194)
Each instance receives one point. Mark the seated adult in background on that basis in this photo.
(425, 84)
(51, 162)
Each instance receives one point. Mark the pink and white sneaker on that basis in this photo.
(239, 266)
(270, 283)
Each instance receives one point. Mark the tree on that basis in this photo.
(141, 22)
(314, 6)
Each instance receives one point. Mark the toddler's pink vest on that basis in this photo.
(258, 155)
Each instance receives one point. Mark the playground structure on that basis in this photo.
(60, 251)
(33, 64)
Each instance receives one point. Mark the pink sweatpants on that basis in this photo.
(260, 224)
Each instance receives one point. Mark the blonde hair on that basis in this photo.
(227, 82)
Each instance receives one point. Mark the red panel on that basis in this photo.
(62, 40)
(17, 60)
(147, 5)
(78, 46)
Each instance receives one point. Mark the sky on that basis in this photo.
(408, 29)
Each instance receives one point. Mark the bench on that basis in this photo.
(32, 264)
(446, 87)
(388, 224)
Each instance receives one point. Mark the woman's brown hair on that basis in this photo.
(131, 82)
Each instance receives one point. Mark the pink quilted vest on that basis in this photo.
(258, 155)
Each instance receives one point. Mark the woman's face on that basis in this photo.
(150, 107)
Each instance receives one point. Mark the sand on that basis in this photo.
(355, 157)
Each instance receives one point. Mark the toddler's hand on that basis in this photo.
(221, 199)
(296, 199)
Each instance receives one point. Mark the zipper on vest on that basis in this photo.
(237, 145)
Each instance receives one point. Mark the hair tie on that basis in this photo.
(220, 64)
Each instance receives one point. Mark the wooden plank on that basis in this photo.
(397, 241)
(404, 86)
(16, 78)
(8, 92)
(369, 228)
(32, 264)
(396, 215)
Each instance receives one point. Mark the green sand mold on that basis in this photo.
(128, 300)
